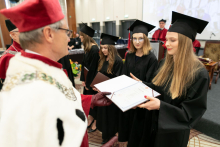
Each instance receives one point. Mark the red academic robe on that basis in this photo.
(196, 43)
(4, 60)
(4, 63)
(160, 34)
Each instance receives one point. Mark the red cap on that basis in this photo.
(34, 14)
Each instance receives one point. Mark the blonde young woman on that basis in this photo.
(142, 63)
(110, 64)
(183, 84)
(90, 61)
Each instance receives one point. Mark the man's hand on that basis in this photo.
(100, 99)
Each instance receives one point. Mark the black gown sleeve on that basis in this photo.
(82, 69)
(93, 66)
(151, 70)
(66, 65)
(125, 66)
(176, 118)
(118, 65)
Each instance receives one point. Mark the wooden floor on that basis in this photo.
(196, 139)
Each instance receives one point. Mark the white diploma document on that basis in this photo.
(126, 92)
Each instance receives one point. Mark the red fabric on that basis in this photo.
(4, 60)
(196, 43)
(194, 50)
(65, 72)
(162, 34)
(125, 54)
(129, 40)
(41, 58)
(86, 102)
(34, 14)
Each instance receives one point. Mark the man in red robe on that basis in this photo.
(160, 34)
(196, 46)
(49, 110)
(11, 51)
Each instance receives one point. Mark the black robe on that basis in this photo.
(172, 123)
(77, 43)
(143, 69)
(65, 61)
(107, 117)
(72, 42)
(90, 61)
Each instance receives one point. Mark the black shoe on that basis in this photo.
(104, 141)
(90, 124)
(91, 130)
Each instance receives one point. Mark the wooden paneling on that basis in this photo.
(71, 15)
(5, 33)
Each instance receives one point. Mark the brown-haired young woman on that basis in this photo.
(183, 84)
(110, 64)
(142, 63)
(90, 61)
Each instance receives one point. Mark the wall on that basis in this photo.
(5, 33)
(71, 16)
(89, 11)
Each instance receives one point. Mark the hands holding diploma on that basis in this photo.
(152, 103)
(126, 92)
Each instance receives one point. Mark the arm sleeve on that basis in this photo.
(93, 68)
(118, 67)
(4, 63)
(151, 69)
(188, 113)
(82, 69)
(86, 102)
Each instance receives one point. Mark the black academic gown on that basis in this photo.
(107, 117)
(172, 123)
(72, 42)
(65, 61)
(143, 68)
(77, 43)
(90, 61)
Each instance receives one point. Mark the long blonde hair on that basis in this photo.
(146, 46)
(112, 53)
(180, 73)
(87, 41)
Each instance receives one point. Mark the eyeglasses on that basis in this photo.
(68, 32)
(139, 39)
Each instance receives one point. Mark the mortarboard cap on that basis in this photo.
(163, 20)
(108, 39)
(187, 25)
(34, 14)
(10, 25)
(87, 30)
(141, 27)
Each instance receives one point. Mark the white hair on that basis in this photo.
(35, 36)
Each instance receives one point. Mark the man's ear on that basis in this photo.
(48, 34)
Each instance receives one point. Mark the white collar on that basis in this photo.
(32, 52)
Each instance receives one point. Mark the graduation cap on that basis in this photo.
(187, 25)
(163, 20)
(141, 27)
(87, 30)
(10, 25)
(108, 39)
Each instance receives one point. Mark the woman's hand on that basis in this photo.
(95, 89)
(83, 84)
(135, 78)
(152, 104)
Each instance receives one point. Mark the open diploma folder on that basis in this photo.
(126, 92)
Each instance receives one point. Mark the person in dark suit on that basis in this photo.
(77, 42)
